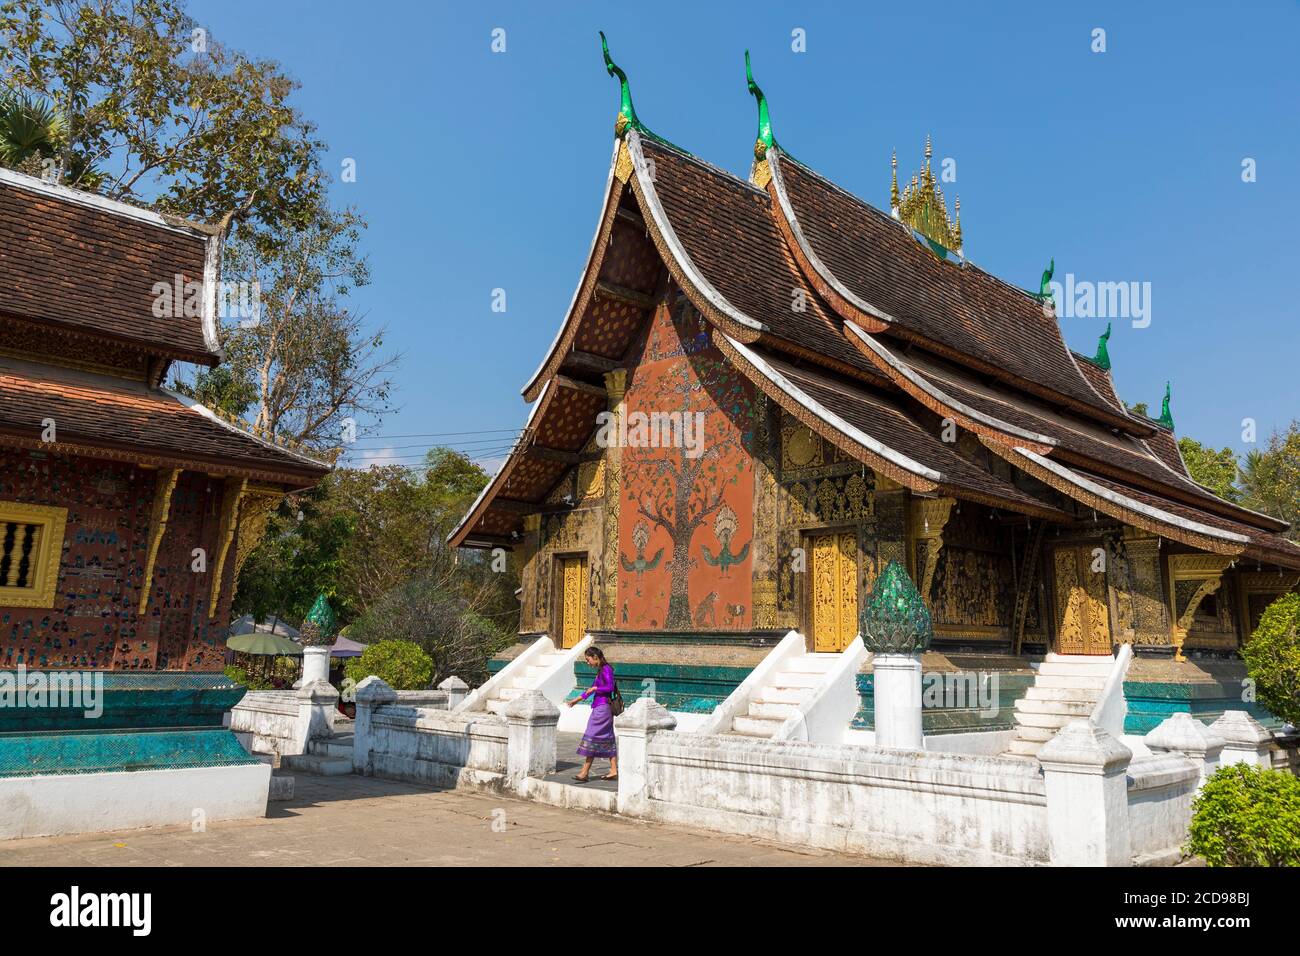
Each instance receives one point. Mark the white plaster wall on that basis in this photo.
(266, 722)
(94, 802)
(1160, 793)
(825, 716)
(892, 804)
(436, 747)
(987, 743)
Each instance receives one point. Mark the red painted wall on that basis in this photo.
(686, 522)
(94, 622)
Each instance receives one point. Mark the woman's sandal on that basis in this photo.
(608, 777)
(580, 779)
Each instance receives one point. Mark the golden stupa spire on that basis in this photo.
(893, 186)
(923, 208)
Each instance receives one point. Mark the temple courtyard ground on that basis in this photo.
(364, 821)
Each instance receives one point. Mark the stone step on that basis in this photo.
(1079, 682)
(496, 706)
(1089, 695)
(510, 693)
(1071, 708)
(797, 679)
(756, 726)
(321, 766)
(811, 663)
(281, 787)
(331, 747)
(760, 708)
(1046, 721)
(1025, 748)
(1039, 734)
(1071, 668)
(1054, 658)
(783, 695)
(550, 660)
(532, 670)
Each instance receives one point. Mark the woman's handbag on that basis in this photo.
(615, 701)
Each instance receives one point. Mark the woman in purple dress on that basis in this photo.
(598, 741)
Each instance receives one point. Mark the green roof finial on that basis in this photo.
(894, 619)
(765, 140)
(1166, 418)
(1102, 357)
(626, 111)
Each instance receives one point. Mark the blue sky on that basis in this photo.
(481, 170)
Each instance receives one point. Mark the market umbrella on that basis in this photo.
(262, 643)
(276, 625)
(345, 647)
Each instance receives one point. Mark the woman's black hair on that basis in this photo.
(597, 653)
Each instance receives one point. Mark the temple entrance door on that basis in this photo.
(1079, 593)
(833, 590)
(573, 599)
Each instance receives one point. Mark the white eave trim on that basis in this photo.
(830, 418)
(582, 280)
(1131, 504)
(212, 416)
(490, 487)
(211, 290)
(94, 201)
(939, 395)
(660, 217)
(783, 199)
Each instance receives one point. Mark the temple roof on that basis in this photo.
(120, 419)
(839, 314)
(75, 260)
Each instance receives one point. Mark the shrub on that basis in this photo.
(400, 664)
(1272, 658)
(1247, 816)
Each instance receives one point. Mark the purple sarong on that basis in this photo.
(599, 740)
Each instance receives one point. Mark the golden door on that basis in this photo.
(1082, 615)
(573, 623)
(834, 597)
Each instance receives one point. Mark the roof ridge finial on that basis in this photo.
(627, 118)
(894, 198)
(765, 140)
(1166, 418)
(1102, 357)
(921, 206)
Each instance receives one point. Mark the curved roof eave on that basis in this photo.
(913, 383)
(1121, 506)
(923, 478)
(702, 293)
(461, 531)
(595, 255)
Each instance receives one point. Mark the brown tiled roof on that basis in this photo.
(726, 227)
(75, 260)
(131, 421)
(1164, 446)
(961, 308)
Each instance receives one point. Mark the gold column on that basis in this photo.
(162, 502)
(929, 517)
(231, 495)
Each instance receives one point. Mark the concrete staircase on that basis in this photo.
(532, 676)
(325, 757)
(779, 699)
(1068, 686)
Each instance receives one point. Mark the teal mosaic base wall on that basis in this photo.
(1150, 702)
(130, 701)
(25, 755)
(952, 720)
(686, 688)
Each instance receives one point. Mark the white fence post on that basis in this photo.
(896, 680)
(1184, 733)
(531, 726)
(1085, 773)
(318, 702)
(457, 690)
(371, 693)
(1245, 739)
(635, 727)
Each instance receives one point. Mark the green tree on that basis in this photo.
(1272, 658)
(1270, 478)
(400, 664)
(157, 110)
(1216, 470)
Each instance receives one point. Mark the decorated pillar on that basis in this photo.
(1192, 578)
(1136, 581)
(895, 626)
(929, 518)
(615, 388)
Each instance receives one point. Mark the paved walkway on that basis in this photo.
(363, 821)
(568, 762)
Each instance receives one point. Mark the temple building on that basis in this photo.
(126, 508)
(765, 389)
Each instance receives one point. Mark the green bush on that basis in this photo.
(400, 664)
(1272, 658)
(1247, 816)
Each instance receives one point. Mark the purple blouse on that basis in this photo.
(603, 685)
